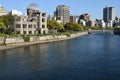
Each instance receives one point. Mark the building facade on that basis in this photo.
(2, 11)
(62, 12)
(15, 12)
(73, 19)
(51, 17)
(85, 17)
(34, 22)
(23, 25)
(116, 23)
(32, 12)
(108, 14)
(101, 23)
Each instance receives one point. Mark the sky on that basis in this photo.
(77, 7)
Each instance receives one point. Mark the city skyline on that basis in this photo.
(93, 7)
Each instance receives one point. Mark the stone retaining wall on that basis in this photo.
(15, 40)
(19, 42)
(49, 37)
(1, 40)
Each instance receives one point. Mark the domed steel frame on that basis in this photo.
(33, 6)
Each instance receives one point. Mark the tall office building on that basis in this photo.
(109, 14)
(62, 12)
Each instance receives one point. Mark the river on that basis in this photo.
(91, 57)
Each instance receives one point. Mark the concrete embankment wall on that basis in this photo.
(19, 41)
(14, 40)
(1, 40)
(56, 37)
(46, 38)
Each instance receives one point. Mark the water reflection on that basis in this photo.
(2, 59)
(90, 57)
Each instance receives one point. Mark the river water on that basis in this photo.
(91, 57)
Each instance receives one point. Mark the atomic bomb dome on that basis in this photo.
(33, 6)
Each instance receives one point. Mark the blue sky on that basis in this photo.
(77, 7)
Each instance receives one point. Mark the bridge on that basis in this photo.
(102, 31)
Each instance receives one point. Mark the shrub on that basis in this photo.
(26, 38)
(67, 34)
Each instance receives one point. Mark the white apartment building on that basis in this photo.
(102, 23)
(2, 11)
(15, 12)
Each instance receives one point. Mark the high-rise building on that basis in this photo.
(73, 19)
(62, 12)
(109, 14)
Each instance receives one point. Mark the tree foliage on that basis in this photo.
(7, 19)
(2, 27)
(74, 26)
(116, 28)
(54, 25)
(96, 28)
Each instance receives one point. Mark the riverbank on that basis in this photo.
(44, 39)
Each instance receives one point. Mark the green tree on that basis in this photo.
(78, 27)
(74, 26)
(68, 26)
(7, 19)
(54, 25)
(96, 28)
(2, 27)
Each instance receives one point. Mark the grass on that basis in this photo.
(2, 35)
(67, 33)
